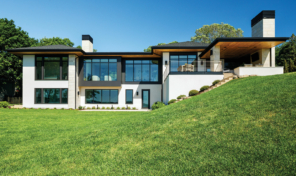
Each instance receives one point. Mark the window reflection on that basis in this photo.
(141, 70)
(100, 70)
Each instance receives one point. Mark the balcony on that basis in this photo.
(195, 67)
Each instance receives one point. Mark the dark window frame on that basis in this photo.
(42, 67)
(42, 97)
(132, 96)
(149, 74)
(100, 68)
(172, 54)
(102, 94)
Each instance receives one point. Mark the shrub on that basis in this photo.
(193, 92)
(80, 107)
(93, 107)
(112, 107)
(53, 108)
(172, 101)
(118, 108)
(4, 104)
(181, 96)
(203, 88)
(71, 109)
(129, 108)
(47, 108)
(88, 108)
(134, 108)
(108, 108)
(24, 108)
(158, 105)
(216, 82)
(62, 108)
(123, 108)
(99, 107)
(103, 107)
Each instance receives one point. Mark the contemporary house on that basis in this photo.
(66, 77)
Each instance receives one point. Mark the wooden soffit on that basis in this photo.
(240, 49)
(160, 51)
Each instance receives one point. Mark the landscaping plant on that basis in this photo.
(203, 88)
(172, 101)
(158, 105)
(216, 82)
(181, 96)
(193, 92)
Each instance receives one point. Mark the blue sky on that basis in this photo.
(132, 25)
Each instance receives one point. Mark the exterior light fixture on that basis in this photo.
(137, 93)
(166, 62)
(78, 92)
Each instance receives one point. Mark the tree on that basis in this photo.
(149, 48)
(11, 65)
(287, 54)
(208, 33)
(54, 41)
(94, 50)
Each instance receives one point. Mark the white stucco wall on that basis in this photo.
(259, 71)
(29, 85)
(155, 95)
(182, 84)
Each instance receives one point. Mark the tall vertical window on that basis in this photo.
(141, 70)
(183, 62)
(104, 96)
(51, 96)
(129, 96)
(100, 69)
(51, 68)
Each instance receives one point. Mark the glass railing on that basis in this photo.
(196, 66)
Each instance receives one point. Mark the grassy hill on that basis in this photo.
(245, 127)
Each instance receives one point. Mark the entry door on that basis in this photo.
(145, 99)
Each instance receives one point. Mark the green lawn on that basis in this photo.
(245, 127)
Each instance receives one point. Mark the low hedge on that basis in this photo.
(172, 101)
(4, 104)
(158, 105)
(181, 96)
(216, 82)
(193, 92)
(203, 88)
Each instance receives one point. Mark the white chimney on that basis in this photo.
(263, 25)
(87, 43)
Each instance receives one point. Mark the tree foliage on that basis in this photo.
(149, 48)
(286, 55)
(208, 33)
(55, 41)
(12, 37)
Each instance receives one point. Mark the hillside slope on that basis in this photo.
(247, 126)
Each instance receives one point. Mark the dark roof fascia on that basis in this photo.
(45, 50)
(243, 39)
(179, 47)
(117, 53)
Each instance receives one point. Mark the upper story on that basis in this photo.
(116, 68)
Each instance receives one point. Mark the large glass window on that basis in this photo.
(104, 96)
(141, 70)
(51, 68)
(51, 96)
(183, 63)
(129, 96)
(100, 70)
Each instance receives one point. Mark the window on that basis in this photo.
(129, 96)
(103, 96)
(100, 69)
(51, 96)
(51, 68)
(141, 70)
(183, 62)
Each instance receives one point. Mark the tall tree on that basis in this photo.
(208, 33)
(11, 65)
(149, 48)
(287, 54)
(54, 41)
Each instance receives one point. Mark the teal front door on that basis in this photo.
(145, 99)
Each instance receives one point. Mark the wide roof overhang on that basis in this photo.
(239, 47)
